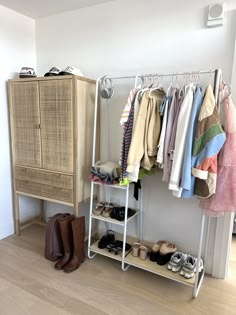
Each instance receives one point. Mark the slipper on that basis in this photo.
(135, 249)
(107, 210)
(165, 253)
(155, 249)
(99, 208)
(143, 252)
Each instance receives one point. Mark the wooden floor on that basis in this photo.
(29, 285)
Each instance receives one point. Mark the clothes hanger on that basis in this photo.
(210, 77)
(226, 90)
(158, 87)
(169, 89)
(145, 86)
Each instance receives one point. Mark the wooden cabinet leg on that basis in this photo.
(16, 214)
(76, 210)
(42, 211)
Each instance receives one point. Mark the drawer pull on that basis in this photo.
(37, 126)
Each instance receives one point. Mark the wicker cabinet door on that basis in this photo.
(25, 123)
(57, 124)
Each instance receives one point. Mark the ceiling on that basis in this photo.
(41, 8)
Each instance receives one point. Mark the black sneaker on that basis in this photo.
(53, 71)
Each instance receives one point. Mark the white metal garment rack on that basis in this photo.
(128, 260)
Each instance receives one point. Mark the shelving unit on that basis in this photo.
(126, 258)
(93, 247)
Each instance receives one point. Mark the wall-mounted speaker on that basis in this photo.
(215, 14)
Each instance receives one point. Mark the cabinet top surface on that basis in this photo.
(59, 77)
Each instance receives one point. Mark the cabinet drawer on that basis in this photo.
(44, 177)
(42, 190)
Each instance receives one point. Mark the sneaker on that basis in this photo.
(52, 72)
(190, 266)
(27, 72)
(176, 261)
(71, 70)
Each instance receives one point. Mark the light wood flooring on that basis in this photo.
(29, 285)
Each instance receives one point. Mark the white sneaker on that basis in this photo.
(190, 267)
(176, 261)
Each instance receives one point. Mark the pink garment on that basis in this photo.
(224, 200)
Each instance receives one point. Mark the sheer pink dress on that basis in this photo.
(224, 199)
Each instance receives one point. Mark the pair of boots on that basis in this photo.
(72, 234)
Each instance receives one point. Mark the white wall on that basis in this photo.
(17, 49)
(129, 37)
(123, 37)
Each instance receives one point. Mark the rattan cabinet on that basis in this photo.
(51, 122)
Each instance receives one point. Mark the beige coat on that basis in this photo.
(146, 132)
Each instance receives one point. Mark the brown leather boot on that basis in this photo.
(78, 229)
(66, 236)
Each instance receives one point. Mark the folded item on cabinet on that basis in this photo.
(105, 172)
(104, 179)
(108, 168)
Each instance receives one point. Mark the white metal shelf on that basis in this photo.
(114, 221)
(159, 270)
(94, 248)
(117, 186)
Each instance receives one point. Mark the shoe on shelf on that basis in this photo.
(176, 261)
(106, 239)
(155, 249)
(165, 253)
(117, 246)
(106, 213)
(118, 213)
(143, 252)
(110, 247)
(135, 249)
(190, 266)
(100, 206)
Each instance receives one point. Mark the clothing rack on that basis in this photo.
(217, 81)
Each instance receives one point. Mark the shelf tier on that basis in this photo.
(114, 221)
(112, 186)
(94, 248)
(159, 270)
(146, 265)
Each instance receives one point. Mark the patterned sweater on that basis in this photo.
(209, 139)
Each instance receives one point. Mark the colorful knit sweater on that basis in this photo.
(209, 139)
